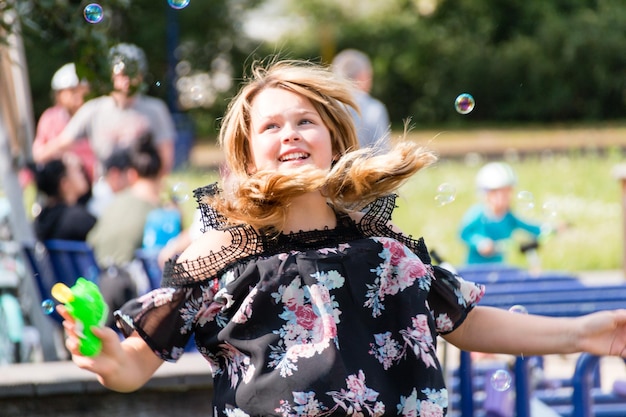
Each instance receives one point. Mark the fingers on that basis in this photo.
(63, 312)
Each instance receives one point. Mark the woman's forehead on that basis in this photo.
(277, 101)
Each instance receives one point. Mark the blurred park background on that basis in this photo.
(548, 78)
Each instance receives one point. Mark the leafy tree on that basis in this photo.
(523, 61)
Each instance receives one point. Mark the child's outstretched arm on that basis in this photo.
(494, 330)
(121, 366)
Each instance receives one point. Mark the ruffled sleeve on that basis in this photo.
(451, 298)
(167, 317)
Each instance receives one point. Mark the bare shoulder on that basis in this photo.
(210, 241)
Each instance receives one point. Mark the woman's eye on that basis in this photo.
(305, 121)
(270, 126)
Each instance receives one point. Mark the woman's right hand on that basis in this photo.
(121, 366)
(103, 363)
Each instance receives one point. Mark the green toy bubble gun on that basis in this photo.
(85, 304)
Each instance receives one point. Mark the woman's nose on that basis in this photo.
(290, 134)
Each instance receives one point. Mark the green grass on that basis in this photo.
(575, 189)
(578, 188)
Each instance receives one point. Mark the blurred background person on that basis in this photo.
(487, 227)
(119, 231)
(68, 95)
(118, 119)
(372, 119)
(62, 183)
(114, 179)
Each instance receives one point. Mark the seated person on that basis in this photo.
(62, 183)
(119, 231)
(114, 179)
(487, 225)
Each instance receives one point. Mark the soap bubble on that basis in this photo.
(47, 306)
(526, 200)
(464, 103)
(178, 4)
(501, 380)
(446, 194)
(93, 13)
(180, 192)
(550, 210)
(520, 309)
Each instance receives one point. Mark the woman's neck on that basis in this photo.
(309, 212)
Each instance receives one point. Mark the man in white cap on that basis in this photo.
(68, 96)
(118, 119)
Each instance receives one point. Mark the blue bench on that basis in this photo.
(556, 294)
(72, 259)
(552, 297)
(63, 261)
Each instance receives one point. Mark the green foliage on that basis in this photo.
(522, 61)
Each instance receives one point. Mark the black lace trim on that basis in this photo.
(211, 219)
(246, 243)
(376, 222)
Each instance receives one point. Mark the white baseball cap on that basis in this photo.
(65, 77)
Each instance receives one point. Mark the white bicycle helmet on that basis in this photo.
(129, 59)
(495, 175)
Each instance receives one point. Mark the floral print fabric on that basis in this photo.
(346, 330)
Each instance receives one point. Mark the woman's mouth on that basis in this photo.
(293, 156)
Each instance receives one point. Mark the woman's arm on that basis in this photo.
(488, 329)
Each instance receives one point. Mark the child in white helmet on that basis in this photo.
(487, 225)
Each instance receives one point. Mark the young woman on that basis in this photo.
(302, 296)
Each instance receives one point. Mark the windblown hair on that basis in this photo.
(357, 177)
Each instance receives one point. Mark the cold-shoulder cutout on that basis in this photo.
(224, 245)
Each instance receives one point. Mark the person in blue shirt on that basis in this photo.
(487, 226)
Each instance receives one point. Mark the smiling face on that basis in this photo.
(286, 132)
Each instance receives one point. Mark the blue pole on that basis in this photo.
(466, 385)
(522, 387)
(172, 39)
(583, 382)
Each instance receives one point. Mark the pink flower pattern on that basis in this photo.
(305, 323)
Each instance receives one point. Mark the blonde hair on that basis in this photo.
(358, 176)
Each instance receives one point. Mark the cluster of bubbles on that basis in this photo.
(93, 13)
(201, 88)
(464, 103)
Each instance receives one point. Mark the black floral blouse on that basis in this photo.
(339, 322)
